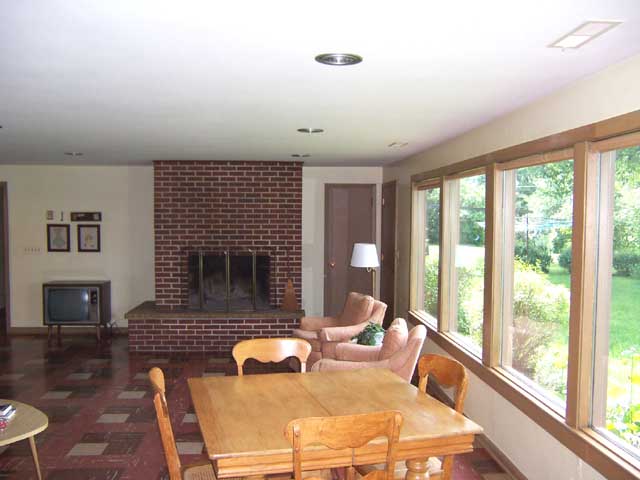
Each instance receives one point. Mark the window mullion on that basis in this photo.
(583, 291)
(604, 288)
(492, 272)
(449, 230)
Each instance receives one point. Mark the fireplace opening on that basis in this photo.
(229, 282)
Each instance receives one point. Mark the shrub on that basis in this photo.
(626, 261)
(564, 260)
(431, 286)
(540, 309)
(562, 239)
(534, 252)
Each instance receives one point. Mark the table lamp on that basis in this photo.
(365, 255)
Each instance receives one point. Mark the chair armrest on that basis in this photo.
(328, 364)
(357, 353)
(317, 323)
(341, 334)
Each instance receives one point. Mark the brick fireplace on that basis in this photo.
(217, 206)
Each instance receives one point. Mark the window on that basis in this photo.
(465, 240)
(616, 390)
(537, 213)
(427, 223)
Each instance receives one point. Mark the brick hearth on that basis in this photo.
(162, 329)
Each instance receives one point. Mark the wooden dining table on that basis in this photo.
(242, 420)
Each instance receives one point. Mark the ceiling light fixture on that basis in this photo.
(398, 144)
(301, 155)
(584, 33)
(338, 59)
(311, 130)
(74, 154)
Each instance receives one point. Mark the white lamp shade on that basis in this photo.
(364, 255)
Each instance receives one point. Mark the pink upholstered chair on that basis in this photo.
(399, 352)
(325, 333)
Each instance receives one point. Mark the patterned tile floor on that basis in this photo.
(101, 418)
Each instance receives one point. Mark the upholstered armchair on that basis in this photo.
(326, 333)
(399, 352)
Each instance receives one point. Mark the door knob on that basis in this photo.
(332, 264)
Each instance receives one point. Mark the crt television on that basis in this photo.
(76, 303)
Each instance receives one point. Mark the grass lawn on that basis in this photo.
(625, 314)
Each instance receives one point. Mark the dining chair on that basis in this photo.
(345, 432)
(271, 350)
(447, 373)
(200, 471)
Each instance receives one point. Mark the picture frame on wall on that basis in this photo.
(89, 238)
(58, 237)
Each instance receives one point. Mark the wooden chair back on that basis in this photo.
(350, 431)
(164, 424)
(448, 373)
(271, 350)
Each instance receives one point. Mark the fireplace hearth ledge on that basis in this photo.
(149, 310)
(162, 329)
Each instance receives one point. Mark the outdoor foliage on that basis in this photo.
(564, 260)
(625, 262)
(534, 252)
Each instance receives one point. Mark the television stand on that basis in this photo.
(59, 333)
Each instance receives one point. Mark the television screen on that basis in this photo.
(68, 305)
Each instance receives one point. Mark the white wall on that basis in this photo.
(124, 195)
(611, 92)
(313, 183)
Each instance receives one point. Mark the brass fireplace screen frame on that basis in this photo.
(227, 256)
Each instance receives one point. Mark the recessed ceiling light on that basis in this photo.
(338, 59)
(583, 34)
(398, 144)
(311, 130)
(74, 154)
(301, 155)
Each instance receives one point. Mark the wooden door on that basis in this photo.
(349, 218)
(4, 263)
(388, 250)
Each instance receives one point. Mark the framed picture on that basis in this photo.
(58, 237)
(88, 238)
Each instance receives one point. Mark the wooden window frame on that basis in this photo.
(417, 252)
(584, 145)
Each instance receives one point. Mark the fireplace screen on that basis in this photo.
(226, 282)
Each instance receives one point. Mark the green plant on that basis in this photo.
(626, 261)
(370, 334)
(624, 422)
(534, 251)
(431, 286)
(562, 239)
(564, 259)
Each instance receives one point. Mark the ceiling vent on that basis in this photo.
(583, 34)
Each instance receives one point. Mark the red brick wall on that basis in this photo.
(202, 333)
(213, 205)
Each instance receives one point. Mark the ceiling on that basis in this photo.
(129, 82)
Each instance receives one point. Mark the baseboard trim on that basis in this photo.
(66, 330)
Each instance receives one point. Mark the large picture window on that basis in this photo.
(616, 392)
(537, 209)
(525, 267)
(466, 242)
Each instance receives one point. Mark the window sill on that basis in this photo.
(593, 448)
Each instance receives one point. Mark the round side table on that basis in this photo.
(26, 423)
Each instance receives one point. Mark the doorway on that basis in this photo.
(4, 264)
(388, 251)
(349, 218)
